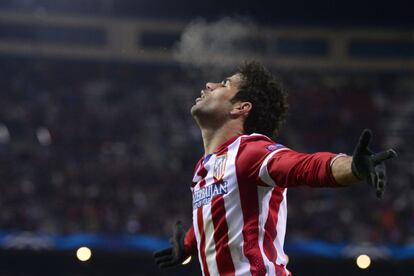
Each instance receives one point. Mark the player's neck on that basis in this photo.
(213, 138)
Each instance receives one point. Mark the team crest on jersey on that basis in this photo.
(219, 167)
(274, 147)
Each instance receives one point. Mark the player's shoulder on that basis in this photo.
(258, 144)
(255, 138)
(253, 150)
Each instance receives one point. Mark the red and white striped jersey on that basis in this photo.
(239, 204)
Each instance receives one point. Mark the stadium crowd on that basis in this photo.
(110, 148)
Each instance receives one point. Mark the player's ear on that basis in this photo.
(241, 109)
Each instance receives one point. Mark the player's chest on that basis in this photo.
(215, 177)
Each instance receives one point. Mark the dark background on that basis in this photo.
(123, 145)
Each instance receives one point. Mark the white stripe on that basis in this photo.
(258, 134)
(208, 228)
(264, 173)
(196, 177)
(210, 248)
(281, 230)
(336, 157)
(264, 194)
(234, 216)
(198, 238)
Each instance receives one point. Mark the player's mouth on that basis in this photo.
(202, 97)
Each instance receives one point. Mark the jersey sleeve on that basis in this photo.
(288, 168)
(190, 242)
(271, 164)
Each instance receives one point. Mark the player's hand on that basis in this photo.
(369, 166)
(175, 254)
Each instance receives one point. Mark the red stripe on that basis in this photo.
(202, 173)
(202, 241)
(190, 243)
(223, 256)
(280, 270)
(270, 231)
(197, 171)
(224, 260)
(250, 209)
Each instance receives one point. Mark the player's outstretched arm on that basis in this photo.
(363, 165)
(175, 254)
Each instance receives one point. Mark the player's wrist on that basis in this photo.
(342, 171)
(355, 172)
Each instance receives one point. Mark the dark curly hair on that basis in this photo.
(268, 98)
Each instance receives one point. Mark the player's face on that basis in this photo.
(215, 100)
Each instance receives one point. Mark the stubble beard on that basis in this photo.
(199, 115)
(206, 117)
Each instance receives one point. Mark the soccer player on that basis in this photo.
(239, 185)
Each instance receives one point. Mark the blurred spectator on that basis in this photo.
(111, 148)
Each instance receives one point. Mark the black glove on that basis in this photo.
(175, 254)
(370, 166)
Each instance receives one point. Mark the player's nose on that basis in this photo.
(210, 86)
